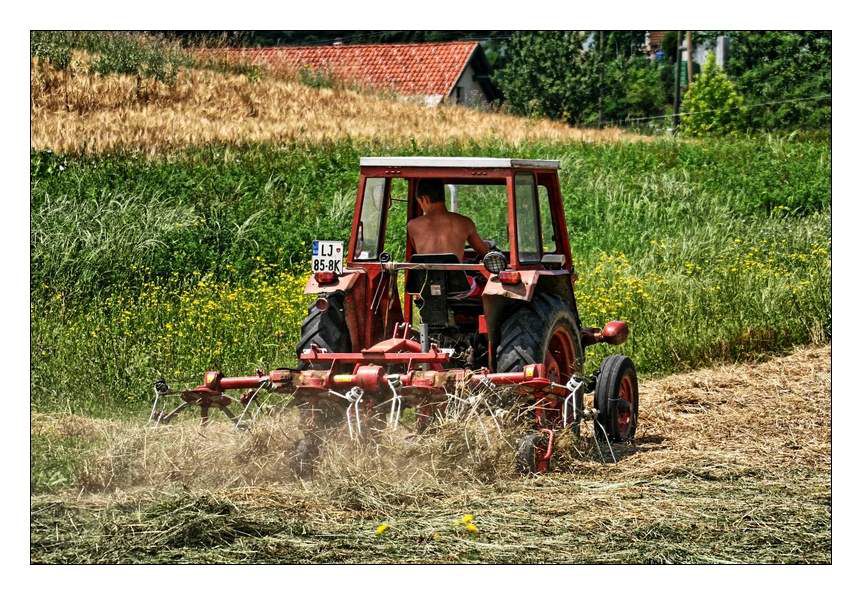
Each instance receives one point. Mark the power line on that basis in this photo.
(708, 111)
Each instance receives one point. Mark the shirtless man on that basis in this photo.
(438, 231)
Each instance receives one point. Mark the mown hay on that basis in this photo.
(732, 464)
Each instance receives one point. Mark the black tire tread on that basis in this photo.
(326, 329)
(611, 371)
(522, 334)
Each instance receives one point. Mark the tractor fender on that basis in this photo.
(344, 283)
(521, 291)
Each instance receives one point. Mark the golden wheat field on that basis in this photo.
(79, 112)
(732, 465)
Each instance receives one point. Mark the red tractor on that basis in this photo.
(376, 342)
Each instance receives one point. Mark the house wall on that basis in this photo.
(720, 48)
(471, 92)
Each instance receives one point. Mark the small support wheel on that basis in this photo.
(616, 399)
(532, 455)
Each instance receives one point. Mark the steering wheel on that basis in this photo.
(492, 245)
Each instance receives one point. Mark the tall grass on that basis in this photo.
(80, 111)
(145, 267)
(211, 207)
(112, 52)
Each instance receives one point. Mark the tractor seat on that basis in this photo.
(455, 282)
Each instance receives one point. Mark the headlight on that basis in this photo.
(494, 262)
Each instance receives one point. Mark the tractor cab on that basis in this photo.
(454, 303)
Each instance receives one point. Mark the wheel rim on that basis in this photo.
(560, 356)
(624, 410)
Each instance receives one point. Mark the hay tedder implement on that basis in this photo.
(374, 344)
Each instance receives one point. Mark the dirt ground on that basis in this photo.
(731, 464)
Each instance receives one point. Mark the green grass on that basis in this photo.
(712, 249)
(145, 56)
(55, 461)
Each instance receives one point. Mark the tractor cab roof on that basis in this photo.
(459, 162)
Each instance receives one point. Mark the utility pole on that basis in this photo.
(676, 70)
(689, 54)
(601, 76)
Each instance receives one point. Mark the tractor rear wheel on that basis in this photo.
(325, 328)
(616, 399)
(542, 332)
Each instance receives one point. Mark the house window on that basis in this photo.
(459, 94)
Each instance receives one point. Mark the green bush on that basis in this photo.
(53, 47)
(568, 76)
(318, 79)
(548, 74)
(634, 89)
(712, 105)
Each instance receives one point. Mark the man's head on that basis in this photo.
(431, 190)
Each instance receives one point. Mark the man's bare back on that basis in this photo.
(439, 231)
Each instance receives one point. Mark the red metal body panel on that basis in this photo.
(344, 283)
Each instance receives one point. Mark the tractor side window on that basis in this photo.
(527, 219)
(368, 232)
(549, 241)
(395, 239)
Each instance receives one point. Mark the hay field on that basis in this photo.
(732, 464)
(76, 112)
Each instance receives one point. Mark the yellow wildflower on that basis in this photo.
(466, 521)
(382, 528)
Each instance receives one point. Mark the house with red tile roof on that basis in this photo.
(453, 72)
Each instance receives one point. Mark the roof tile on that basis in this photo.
(405, 68)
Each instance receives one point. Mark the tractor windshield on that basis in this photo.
(485, 204)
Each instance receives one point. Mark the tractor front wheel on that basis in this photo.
(616, 399)
(325, 328)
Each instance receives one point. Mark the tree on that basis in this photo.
(550, 74)
(634, 88)
(711, 105)
(781, 65)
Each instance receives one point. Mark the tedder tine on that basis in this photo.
(165, 418)
(233, 418)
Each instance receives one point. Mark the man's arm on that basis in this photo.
(476, 242)
(410, 231)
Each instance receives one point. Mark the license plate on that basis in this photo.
(327, 256)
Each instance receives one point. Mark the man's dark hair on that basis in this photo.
(433, 189)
